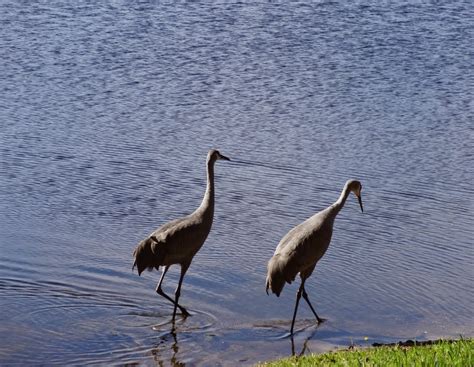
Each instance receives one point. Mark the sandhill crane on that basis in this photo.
(302, 247)
(177, 242)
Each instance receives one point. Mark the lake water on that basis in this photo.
(107, 111)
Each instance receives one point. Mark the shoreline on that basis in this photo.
(428, 352)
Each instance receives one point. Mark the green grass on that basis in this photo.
(446, 353)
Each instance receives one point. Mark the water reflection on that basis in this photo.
(161, 351)
(303, 349)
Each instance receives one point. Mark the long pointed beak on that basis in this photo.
(360, 203)
(224, 157)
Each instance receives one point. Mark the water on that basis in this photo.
(107, 111)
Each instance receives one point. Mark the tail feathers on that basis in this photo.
(147, 255)
(278, 273)
(134, 263)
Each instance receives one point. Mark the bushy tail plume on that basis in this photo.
(277, 275)
(146, 255)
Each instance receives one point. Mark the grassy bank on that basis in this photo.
(444, 353)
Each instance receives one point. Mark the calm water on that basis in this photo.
(107, 111)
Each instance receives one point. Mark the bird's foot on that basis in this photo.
(184, 313)
(320, 320)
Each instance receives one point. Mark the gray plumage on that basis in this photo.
(177, 242)
(302, 247)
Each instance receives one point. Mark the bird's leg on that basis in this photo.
(305, 296)
(161, 293)
(184, 268)
(298, 296)
(158, 287)
(292, 346)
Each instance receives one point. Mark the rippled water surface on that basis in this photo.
(107, 110)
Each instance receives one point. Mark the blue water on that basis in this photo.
(107, 111)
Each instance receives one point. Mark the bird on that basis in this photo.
(303, 246)
(177, 242)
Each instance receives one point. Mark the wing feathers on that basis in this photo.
(281, 269)
(148, 254)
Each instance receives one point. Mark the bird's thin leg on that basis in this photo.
(292, 346)
(161, 293)
(184, 268)
(306, 298)
(298, 296)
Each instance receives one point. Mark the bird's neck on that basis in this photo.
(207, 204)
(337, 206)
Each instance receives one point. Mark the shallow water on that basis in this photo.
(107, 111)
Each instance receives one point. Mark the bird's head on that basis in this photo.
(214, 155)
(356, 187)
